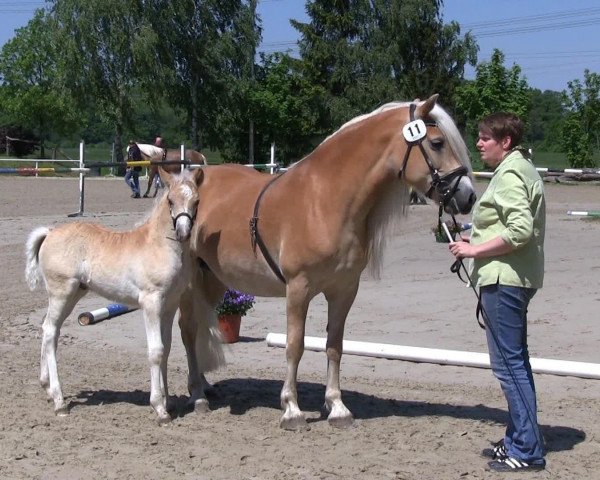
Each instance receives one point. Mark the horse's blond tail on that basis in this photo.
(210, 351)
(33, 272)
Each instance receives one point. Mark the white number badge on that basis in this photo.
(414, 130)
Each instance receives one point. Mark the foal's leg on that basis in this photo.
(62, 299)
(339, 304)
(157, 354)
(297, 308)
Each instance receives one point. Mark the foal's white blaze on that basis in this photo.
(183, 225)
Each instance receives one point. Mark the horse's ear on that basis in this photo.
(423, 110)
(198, 174)
(165, 176)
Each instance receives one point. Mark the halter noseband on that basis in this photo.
(414, 133)
(182, 214)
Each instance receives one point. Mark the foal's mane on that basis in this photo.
(185, 175)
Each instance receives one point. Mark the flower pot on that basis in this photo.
(229, 325)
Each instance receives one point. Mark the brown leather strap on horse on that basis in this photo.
(255, 237)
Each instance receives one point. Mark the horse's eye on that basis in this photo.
(437, 144)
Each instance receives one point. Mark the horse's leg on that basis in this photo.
(197, 321)
(156, 355)
(61, 302)
(339, 304)
(297, 308)
(151, 175)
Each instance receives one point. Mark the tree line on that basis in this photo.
(189, 71)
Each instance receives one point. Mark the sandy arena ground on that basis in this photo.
(414, 421)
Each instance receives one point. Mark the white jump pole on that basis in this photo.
(584, 214)
(442, 357)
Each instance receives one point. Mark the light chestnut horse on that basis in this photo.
(318, 225)
(148, 268)
(158, 154)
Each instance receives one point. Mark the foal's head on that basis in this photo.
(183, 199)
(437, 161)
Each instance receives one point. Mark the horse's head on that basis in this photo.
(436, 161)
(183, 199)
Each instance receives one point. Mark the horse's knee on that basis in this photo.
(156, 355)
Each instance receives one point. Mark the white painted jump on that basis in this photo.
(441, 357)
(546, 170)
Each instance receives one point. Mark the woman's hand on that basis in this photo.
(462, 249)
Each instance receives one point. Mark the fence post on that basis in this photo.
(182, 156)
(81, 182)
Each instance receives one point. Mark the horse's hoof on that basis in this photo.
(341, 422)
(164, 419)
(145, 196)
(61, 411)
(296, 424)
(201, 406)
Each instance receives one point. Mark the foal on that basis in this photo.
(76, 258)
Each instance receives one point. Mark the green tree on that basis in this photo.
(495, 88)
(365, 53)
(576, 142)
(30, 96)
(206, 50)
(285, 107)
(545, 120)
(106, 50)
(583, 121)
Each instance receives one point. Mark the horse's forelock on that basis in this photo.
(453, 136)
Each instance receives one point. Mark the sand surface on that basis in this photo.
(413, 421)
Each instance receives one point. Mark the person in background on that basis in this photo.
(507, 248)
(158, 142)
(132, 174)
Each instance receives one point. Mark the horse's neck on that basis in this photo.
(361, 169)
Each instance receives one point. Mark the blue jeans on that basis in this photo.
(506, 330)
(132, 178)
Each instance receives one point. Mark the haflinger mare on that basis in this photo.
(314, 228)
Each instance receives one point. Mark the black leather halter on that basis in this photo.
(255, 237)
(443, 185)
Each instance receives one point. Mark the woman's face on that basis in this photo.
(492, 151)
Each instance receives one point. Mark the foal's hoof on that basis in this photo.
(145, 195)
(296, 424)
(164, 420)
(61, 411)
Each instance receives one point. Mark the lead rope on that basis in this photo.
(455, 268)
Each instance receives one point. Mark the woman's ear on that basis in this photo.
(506, 143)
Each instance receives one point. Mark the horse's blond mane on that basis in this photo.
(392, 205)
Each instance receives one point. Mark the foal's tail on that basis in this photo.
(33, 273)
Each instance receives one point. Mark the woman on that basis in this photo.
(507, 247)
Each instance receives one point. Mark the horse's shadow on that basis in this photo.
(243, 394)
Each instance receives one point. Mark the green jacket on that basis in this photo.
(513, 206)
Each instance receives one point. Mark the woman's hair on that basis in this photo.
(503, 124)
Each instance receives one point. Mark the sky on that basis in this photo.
(553, 41)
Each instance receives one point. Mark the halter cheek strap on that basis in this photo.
(414, 132)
